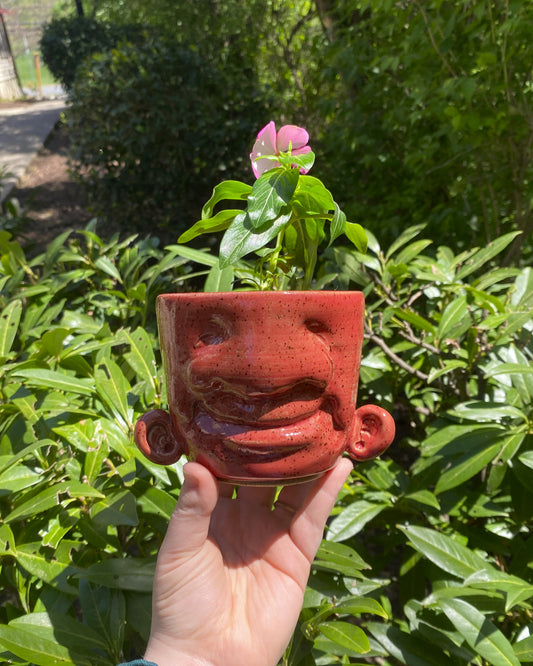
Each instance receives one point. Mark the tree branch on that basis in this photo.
(393, 357)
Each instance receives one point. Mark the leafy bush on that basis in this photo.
(151, 129)
(427, 558)
(426, 115)
(78, 365)
(443, 524)
(67, 41)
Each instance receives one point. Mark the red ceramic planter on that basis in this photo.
(262, 386)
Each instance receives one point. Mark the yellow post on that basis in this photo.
(37, 63)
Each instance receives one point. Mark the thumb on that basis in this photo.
(189, 524)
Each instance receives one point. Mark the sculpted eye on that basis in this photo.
(317, 327)
(216, 332)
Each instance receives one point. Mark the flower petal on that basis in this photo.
(291, 135)
(260, 166)
(265, 144)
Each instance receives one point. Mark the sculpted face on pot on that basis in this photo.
(257, 391)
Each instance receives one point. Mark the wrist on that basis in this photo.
(164, 654)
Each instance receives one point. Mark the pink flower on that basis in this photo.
(270, 142)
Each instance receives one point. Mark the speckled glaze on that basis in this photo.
(262, 386)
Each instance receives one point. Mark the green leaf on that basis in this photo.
(104, 611)
(454, 320)
(113, 387)
(141, 355)
(17, 479)
(198, 256)
(411, 251)
(352, 519)
(9, 322)
(48, 641)
(339, 557)
(486, 411)
(447, 366)
(524, 649)
(6, 462)
(455, 439)
(444, 551)
(52, 341)
(136, 574)
(509, 369)
(345, 634)
(407, 648)
(485, 254)
(58, 528)
(523, 292)
(479, 632)
(107, 266)
(424, 497)
(466, 466)
(357, 605)
(54, 379)
(338, 224)
(515, 589)
(80, 435)
(49, 569)
(232, 190)
(511, 445)
(356, 234)
(270, 194)
(241, 238)
(210, 225)
(117, 508)
(219, 279)
(403, 239)
(304, 161)
(7, 540)
(37, 647)
(526, 459)
(155, 501)
(139, 612)
(56, 495)
(415, 319)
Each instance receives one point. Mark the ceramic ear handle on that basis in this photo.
(374, 432)
(154, 437)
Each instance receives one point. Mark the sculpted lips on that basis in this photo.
(260, 409)
(263, 424)
(267, 442)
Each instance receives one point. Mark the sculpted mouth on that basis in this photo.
(272, 442)
(261, 409)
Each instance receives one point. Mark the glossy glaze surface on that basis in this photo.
(262, 386)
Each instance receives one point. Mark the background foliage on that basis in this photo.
(418, 112)
(67, 41)
(430, 546)
(422, 119)
(153, 127)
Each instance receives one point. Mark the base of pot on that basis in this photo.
(236, 481)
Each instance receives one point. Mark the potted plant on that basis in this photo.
(262, 381)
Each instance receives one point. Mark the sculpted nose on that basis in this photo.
(265, 360)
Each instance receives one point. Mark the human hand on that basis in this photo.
(232, 572)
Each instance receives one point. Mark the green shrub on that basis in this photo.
(78, 364)
(152, 127)
(425, 114)
(428, 557)
(67, 41)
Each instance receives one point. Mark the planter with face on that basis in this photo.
(262, 386)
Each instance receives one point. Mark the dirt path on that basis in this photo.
(52, 200)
